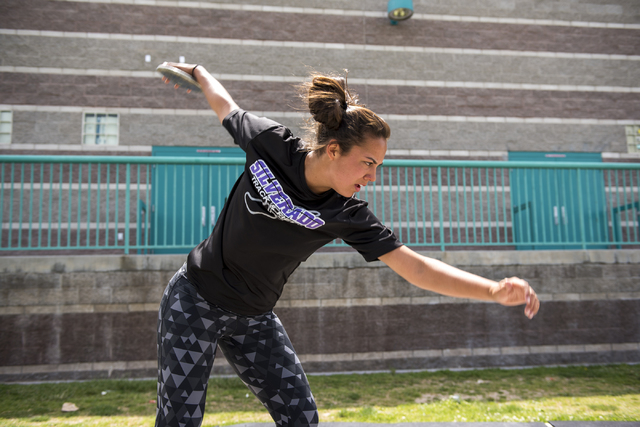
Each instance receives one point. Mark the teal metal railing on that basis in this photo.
(127, 205)
(510, 205)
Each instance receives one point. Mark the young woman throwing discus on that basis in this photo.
(294, 197)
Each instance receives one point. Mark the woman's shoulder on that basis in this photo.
(248, 122)
(249, 129)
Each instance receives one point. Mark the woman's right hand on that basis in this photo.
(187, 68)
(217, 96)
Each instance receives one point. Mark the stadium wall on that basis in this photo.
(85, 317)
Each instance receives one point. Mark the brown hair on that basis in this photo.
(337, 115)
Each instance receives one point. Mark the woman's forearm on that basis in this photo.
(217, 96)
(451, 281)
(436, 276)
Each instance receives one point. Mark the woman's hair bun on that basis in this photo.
(328, 100)
(336, 115)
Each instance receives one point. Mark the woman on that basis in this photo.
(292, 199)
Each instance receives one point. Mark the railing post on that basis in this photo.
(79, 205)
(583, 235)
(88, 205)
(138, 211)
(97, 240)
(127, 206)
(116, 211)
(31, 191)
(440, 208)
(21, 204)
(69, 205)
(1, 199)
(11, 198)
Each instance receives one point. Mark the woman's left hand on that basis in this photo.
(515, 291)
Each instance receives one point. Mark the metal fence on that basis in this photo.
(114, 204)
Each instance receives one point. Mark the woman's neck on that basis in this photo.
(315, 173)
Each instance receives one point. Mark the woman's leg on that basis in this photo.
(262, 355)
(188, 329)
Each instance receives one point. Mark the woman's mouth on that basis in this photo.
(358, 187)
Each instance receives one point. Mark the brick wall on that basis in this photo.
(482, 76)
(95, 317)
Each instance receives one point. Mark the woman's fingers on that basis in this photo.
(532, 302)
(515, 291)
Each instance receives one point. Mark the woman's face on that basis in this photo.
(355, 169)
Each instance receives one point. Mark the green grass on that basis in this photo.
(541, 394)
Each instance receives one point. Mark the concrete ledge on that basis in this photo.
(90, 263)
(104, 263)
(470, 258)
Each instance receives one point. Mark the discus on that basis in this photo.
(179, 77)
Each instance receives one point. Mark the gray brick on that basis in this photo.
(80, 280)
(527, 9)
(138, 294)
(489, 351)
(598, 347)
(106, 54)
(591, 271)
(29, 281)
(95, 295)
(514, 350)
(297, 291)
(625, 347)
(203, 131)
(168, 130)
(457, 352)
(46, 128)
(631, 271)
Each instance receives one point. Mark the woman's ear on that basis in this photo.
(333, 150)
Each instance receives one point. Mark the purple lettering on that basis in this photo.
(277, 198)
(257, 166)
(285, 204)
(277, 201)
(315, 224)
(294, 214)
(305, 218)
(273, 188)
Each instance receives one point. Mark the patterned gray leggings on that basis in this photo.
(256, 347)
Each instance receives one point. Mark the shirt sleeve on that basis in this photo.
(244, 126)
(368, 235)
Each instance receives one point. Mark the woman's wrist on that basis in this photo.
(197, 70)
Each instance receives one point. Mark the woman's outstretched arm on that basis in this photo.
(436, 276)
(219, 99)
